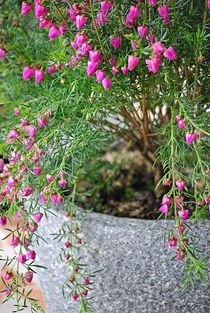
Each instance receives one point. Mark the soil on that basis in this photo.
(123, 186)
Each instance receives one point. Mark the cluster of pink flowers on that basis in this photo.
(99, 64)
(24, 160)
(21, 240)
(25, 164)
(189, 137)
(39, 74)
(30, 71)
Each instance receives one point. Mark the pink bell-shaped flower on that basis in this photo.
(143, 30)
(26, 8)
(81, 20)
(170, 54)
(28, 72)
(132, 62)
(39, 76)
(115, 41)
(100, 74)
(53, 32)
(189, 138)
(106, 82)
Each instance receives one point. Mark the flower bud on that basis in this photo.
(28, 276)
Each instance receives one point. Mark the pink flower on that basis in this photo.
(101, 19)
(75, 296)
(28, 72)
(58, 67)
(31, 255)
(153, 65)
(17, 112)
(28, 276)
(84, 293)
(67, 244)
(60, 200)
(184, 214)
(106, 82)
(180, 184)
(26, 8)
(15, 241)
(189, 138)
(164, 208)
(170, 54)
(158, 47)
(132, 15)
(181, 124)
(152, 2)
(2, 52)
(13, 134)
(86, 48)
(142, 30)
(62, 183)
(45, 23)
(7, 275)
(61, 175)
(80, 39)
(32, 227)
(11, 182)
(40, 11)
(172, 241)
(208, 4)
(37, 170)
(115, 70)
(23, 122)
(91, 68)
(54, 198)
(53, 32)
(39, 76)
(37, 217)
(178, 118)
(106, 6)
(132, 62)
(81, 20)
(49, 178)
(32, 131)
(167, 200)
(43, 199)
(21, 258)
(62, 29)
(115, 41)
(42, 122)
(164, 13)
(95, 56)
(100, 74)
(51, 69)
(3, 220)
(124, 69)
(207, 199)
(27, 191)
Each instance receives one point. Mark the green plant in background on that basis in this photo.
(112, 69)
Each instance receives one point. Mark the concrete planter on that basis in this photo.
(138, 274)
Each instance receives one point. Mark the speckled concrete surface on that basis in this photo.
(138, 274)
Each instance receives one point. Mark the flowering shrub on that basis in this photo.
(136, 70)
